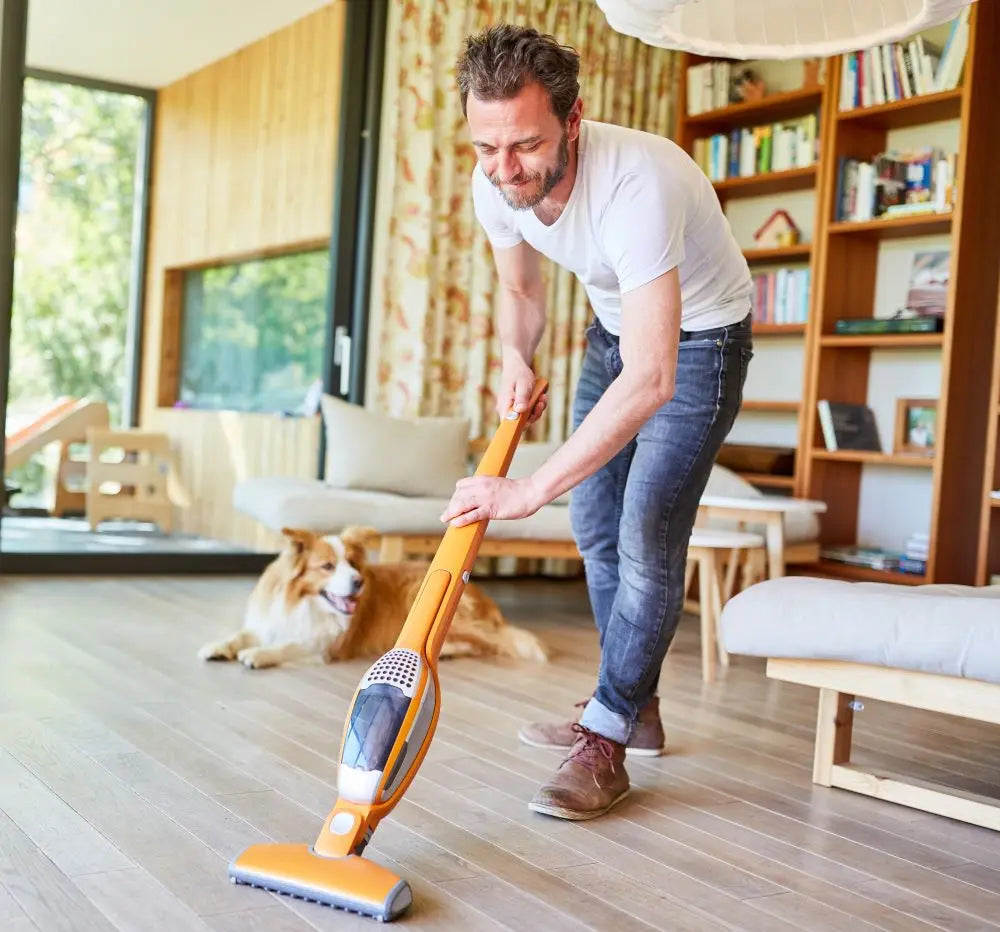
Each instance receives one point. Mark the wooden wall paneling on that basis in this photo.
(243, 167)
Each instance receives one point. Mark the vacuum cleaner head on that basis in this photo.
(352, 882)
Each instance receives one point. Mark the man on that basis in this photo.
(640, 225)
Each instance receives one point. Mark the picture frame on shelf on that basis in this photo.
(916, 426)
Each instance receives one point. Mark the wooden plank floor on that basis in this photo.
(130, 774)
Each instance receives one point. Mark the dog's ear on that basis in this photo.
(297, 539)
(363, 538)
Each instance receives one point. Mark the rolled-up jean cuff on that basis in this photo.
(598, 717)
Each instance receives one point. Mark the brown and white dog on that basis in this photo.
(321, 599)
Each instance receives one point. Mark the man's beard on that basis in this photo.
(522, 199)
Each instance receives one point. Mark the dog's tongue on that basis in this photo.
(345, 603)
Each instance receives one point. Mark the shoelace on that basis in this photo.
(589, 753)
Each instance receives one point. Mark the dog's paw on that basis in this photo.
(254, 657)
(221, 650)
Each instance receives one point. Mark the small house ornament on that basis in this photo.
(778, 230)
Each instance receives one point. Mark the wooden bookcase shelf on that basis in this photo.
(770, 108)
(847, 270)
(788, 406)
(912, 111)
(924, 224)
(988, 562)
(844, 263)
(792, 179)
(799, 252)
(768, 481)
(882, 340)
(778, 330)
(866, 574)
(874, 459)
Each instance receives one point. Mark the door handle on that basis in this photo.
(342, 357)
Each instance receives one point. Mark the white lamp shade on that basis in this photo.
(750, 29)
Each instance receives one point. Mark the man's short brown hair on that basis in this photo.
(498, 62)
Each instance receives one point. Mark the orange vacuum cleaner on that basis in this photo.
(386, 735)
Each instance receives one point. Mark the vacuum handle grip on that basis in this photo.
(430, 616)
(499, 453)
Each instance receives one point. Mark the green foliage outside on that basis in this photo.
(79, 169)
(254, 333)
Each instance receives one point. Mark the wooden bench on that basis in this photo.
(935, 648)
(840, 683)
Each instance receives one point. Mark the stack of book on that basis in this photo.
(914, 557)
(781, 296)
(897, 70)
(709, 86)
(895, 184)
(912, 560)
(874, 558)
(752, 150)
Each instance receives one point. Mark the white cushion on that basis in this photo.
(278, 502)
(310, 504)
(800, 527)
(946, 629)
(407, 456)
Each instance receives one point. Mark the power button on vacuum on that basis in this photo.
(342, 823)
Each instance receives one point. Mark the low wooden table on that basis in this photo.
(710, 550)
(769, 510)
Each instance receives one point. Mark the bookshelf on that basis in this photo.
(988, 563)
(960, 360)
(850, 262)
(755, 195)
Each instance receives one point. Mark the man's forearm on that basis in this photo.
(521, 324)
(617, 417)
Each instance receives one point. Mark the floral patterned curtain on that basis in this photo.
(432, 347)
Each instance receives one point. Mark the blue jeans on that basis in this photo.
(633, 518)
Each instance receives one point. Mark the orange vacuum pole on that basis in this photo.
(389, 728)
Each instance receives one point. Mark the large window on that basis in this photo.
(253, 332)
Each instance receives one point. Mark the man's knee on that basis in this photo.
(593, 521)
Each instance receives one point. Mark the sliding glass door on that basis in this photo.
(77, 234)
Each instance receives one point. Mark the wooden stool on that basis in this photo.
(714, 552)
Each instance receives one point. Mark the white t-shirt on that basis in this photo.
(639, 207)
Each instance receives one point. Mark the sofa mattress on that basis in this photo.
(310, 504)
(944, 629)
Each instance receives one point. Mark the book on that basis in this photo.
(848, 426)
(929, 277)
(921, 323)
(875, 558)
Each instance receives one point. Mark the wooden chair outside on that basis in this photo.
(139, 478)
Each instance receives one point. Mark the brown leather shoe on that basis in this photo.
(588, 782)
(647, 738)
